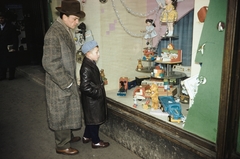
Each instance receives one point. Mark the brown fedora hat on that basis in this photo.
(71, 7)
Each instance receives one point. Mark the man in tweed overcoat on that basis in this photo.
(63, 102)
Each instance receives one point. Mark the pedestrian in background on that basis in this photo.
(8, 48)
(59, 61)
(93, 95)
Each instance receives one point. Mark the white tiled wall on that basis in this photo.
(118, 50)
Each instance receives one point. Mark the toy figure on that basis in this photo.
(139, 66)
(135, 103)
(158, 72)
(146, 105)
(154, 96)
(169, 15)
(82, 30)
(80, 35)
(170, 46)
(123, 86)
(104, 79)
(148, 54)
(150, 31)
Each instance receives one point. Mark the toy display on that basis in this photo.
(158, 82)
(171, 56)
(132, 83)
(123, 86)
(135, 103)
(104, 79)
(145, 91)
(146, 105)
(149, 54)
(158, 72)
(169, 15)
(150, 32)
(170, 46)
(173, 108)
(139, 66)
(80, 35)
(161, 80)
(142, 92)
(154, 96)
(140, 79)
(166, 85)
(171, 92)
(183, 69)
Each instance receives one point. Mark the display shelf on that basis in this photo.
(172, 75)
(170, 38)
(147, 69)
(128, 101)
(168, 68)
(166, 62)
(154, 49)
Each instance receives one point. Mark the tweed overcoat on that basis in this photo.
(63, 104)
(93, 95)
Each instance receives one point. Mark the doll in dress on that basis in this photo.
(169, 15)
(150, 31)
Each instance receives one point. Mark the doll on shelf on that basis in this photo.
(169, 15)
(150, 31)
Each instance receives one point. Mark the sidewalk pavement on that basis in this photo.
(34, 72)
(115, 150)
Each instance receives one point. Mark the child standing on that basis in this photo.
(93, 95)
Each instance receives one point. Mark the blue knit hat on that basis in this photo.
(89, 45)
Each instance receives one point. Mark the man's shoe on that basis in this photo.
(86, 140)
(101, 144)
(68, 151)
(75, 139)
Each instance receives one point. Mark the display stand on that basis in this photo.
(170, 38)
(147, 69)
(173, 75)
(149, 57)
(168, 68)
(170, 57)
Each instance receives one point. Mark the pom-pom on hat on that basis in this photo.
(71, 7)
(89, 45)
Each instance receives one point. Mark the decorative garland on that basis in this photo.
(133, 13)
(139, 14)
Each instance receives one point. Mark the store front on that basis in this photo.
(208, 134)
(151, 137)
